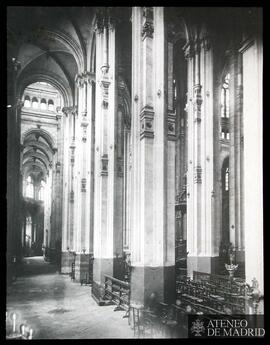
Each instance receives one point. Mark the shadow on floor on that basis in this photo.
(35, 265)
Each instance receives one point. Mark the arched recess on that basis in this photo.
(44, 76)
(40, 133)
(38, 156)
(33, 166)
(124, 102)
(33, 144)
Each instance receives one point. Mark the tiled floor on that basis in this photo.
(57, 308)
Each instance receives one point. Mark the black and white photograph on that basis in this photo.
(134, 172)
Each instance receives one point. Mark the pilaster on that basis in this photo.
(201, 243)
(83, 181)
(252, 55)
(107, 232)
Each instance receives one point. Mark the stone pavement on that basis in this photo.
(57, 308)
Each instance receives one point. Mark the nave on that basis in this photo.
(134, 165)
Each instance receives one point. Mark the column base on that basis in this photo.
(81, 267)
(65, 263)
(101, 267)
(147, 280)
(206, 264)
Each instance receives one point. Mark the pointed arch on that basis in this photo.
(41, 132)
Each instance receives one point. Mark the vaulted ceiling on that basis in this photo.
(50, 43)
(37, 155)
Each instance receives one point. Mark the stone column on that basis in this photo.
(107, 235)
(59, 177)
(57, 189)
(68, 195)
(65, 264)
(127, 181)
(48, 207)
(240, 250)
(201, 243)
(14, 188)
(252, 55)
(152, 204)
(83, 174)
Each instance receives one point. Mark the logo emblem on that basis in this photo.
(197, 328)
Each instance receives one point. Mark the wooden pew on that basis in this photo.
(118, 292)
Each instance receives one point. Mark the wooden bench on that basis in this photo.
(118, 292)
(200, 295)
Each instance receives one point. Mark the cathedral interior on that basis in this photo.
(134, 160)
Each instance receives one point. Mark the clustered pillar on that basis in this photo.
(107, 229)
(201, 239)
(153, 181)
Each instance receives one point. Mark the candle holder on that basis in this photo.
(231, 268)
(24, 333)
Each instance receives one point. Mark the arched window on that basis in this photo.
(51, 105)
(43, 104)
(225, 97)
(226, 177)
(225, 108)
(34, 102)
(29, 190)
(41, 193)
(28, 231)
(27, 102)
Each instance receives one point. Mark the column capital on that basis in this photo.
(100, 20)
(70, 110)
(189, 50)
(106, 18)
(89, 77)
(206, 43)
(79, 80)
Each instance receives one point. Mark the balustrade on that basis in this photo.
(118, 292)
